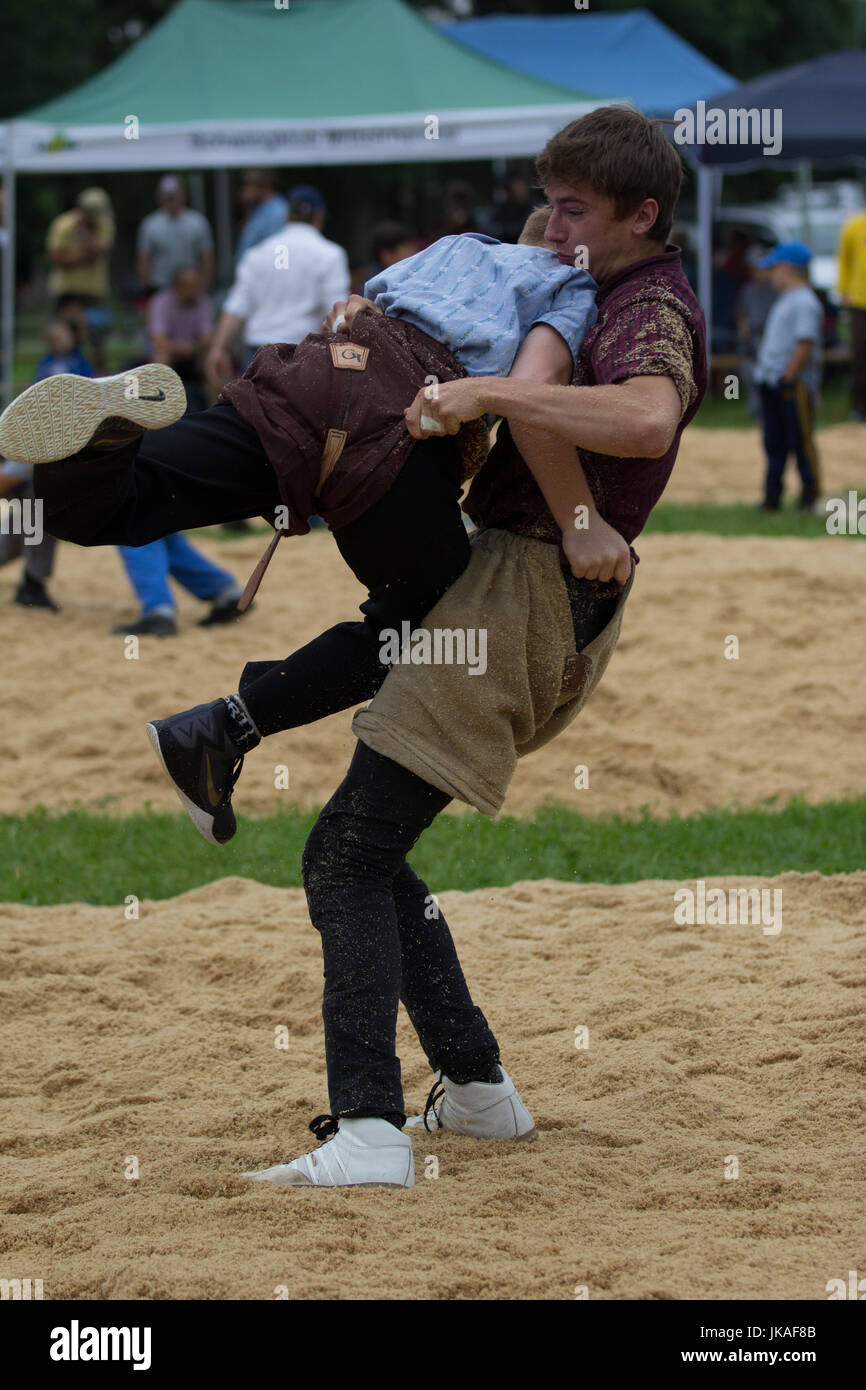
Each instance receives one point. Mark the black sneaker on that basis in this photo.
(224, 612)
(154, 625)
(60, 416)
(31, 593)
(203, 755)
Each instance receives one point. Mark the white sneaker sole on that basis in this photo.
(530, 1136)
(56, 418)
(298, 1180)
(200, 819)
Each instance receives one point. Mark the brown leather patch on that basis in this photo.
(335, 443)
(349, 355)
(576, 674)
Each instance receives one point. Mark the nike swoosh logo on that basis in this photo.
(160, 396)
(213, 794)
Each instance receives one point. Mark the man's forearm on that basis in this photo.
(228, 326)
(604, 419)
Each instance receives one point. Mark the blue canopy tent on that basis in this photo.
(630, 52)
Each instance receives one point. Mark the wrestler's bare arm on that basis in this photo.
(636, 419)
(593, 548)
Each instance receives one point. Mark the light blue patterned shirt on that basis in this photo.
(480, 297)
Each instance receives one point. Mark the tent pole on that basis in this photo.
(8, 277)
(223, 219)
(804, 180)
(706, 182)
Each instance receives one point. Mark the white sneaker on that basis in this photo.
(363, 1153)
(57, 417)
(481, 1109)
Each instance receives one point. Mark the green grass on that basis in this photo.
(737, 519)
(81, 856)
(718, 413)
(669, 518)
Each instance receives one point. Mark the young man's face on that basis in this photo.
(582, 217)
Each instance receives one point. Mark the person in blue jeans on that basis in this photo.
(149, 568)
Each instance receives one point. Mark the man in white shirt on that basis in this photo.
(283, 287)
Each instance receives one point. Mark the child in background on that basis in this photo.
(788, 374)
(64, 352)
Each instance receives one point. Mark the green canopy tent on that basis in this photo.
(310, 82)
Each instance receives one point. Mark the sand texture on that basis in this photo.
(155, 1040)
(673, 726)
(728, 465)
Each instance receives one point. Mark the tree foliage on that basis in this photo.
(50, 50)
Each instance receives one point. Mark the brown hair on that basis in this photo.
(534, 228)
(622, 155)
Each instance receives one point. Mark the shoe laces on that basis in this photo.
(437, 1092)
(324, 1127)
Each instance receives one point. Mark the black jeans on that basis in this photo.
(787, 412)
(407, 549)
(383, 938)
(209, 467)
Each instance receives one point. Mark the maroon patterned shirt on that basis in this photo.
(649, 324)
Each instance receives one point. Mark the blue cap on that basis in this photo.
(304, 193)
(793, 252)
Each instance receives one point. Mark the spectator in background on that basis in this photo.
(735, 257)
(681, 237)
(506, 219)
(171, 237)
(730, 273)
(788, 372)
(852, 287)
(752, 306)
(390, 242)
(16, 482)
(78, 246)
(23, 248)
(64, 353)
(283, 287)
(266, 210)
(16, 479)
(179, 329)
(459, 213)
(149, 568)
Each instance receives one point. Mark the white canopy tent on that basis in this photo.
(219, 86)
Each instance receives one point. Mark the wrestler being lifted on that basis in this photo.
(320, 428)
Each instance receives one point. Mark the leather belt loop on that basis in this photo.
(335, 443)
